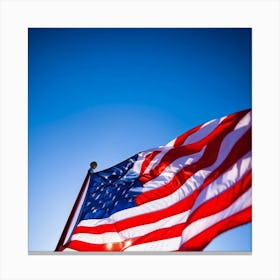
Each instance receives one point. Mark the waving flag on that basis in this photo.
(176, 197)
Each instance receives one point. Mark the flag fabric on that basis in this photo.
(176, 197)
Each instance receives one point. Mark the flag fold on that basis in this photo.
(176, 197)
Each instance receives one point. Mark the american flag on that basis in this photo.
(176, 197)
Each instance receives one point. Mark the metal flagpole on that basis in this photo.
(59, 246)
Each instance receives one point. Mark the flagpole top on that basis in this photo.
(93, 165)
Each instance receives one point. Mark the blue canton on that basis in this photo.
(110, 191)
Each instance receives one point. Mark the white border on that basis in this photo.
(17, 16)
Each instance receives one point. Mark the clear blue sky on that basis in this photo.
(106, 94)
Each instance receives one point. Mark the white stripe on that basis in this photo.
(204, 131)
(225, 181)
(202, 224)
(245, 121)
(157, 158)
(148, 228)
(98, 238)
(171, 143)
(168, 173)
(68, 249)
(169, 244)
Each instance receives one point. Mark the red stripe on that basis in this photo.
(147, 161)
(97, 229)
(223, 200)
(242, 146)
(160, 234)
(216, 136)
(201, 240)
(88, 247)
(182, 138)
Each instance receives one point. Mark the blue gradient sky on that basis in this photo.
(106, 94)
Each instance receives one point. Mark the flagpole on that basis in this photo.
(59, 246)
